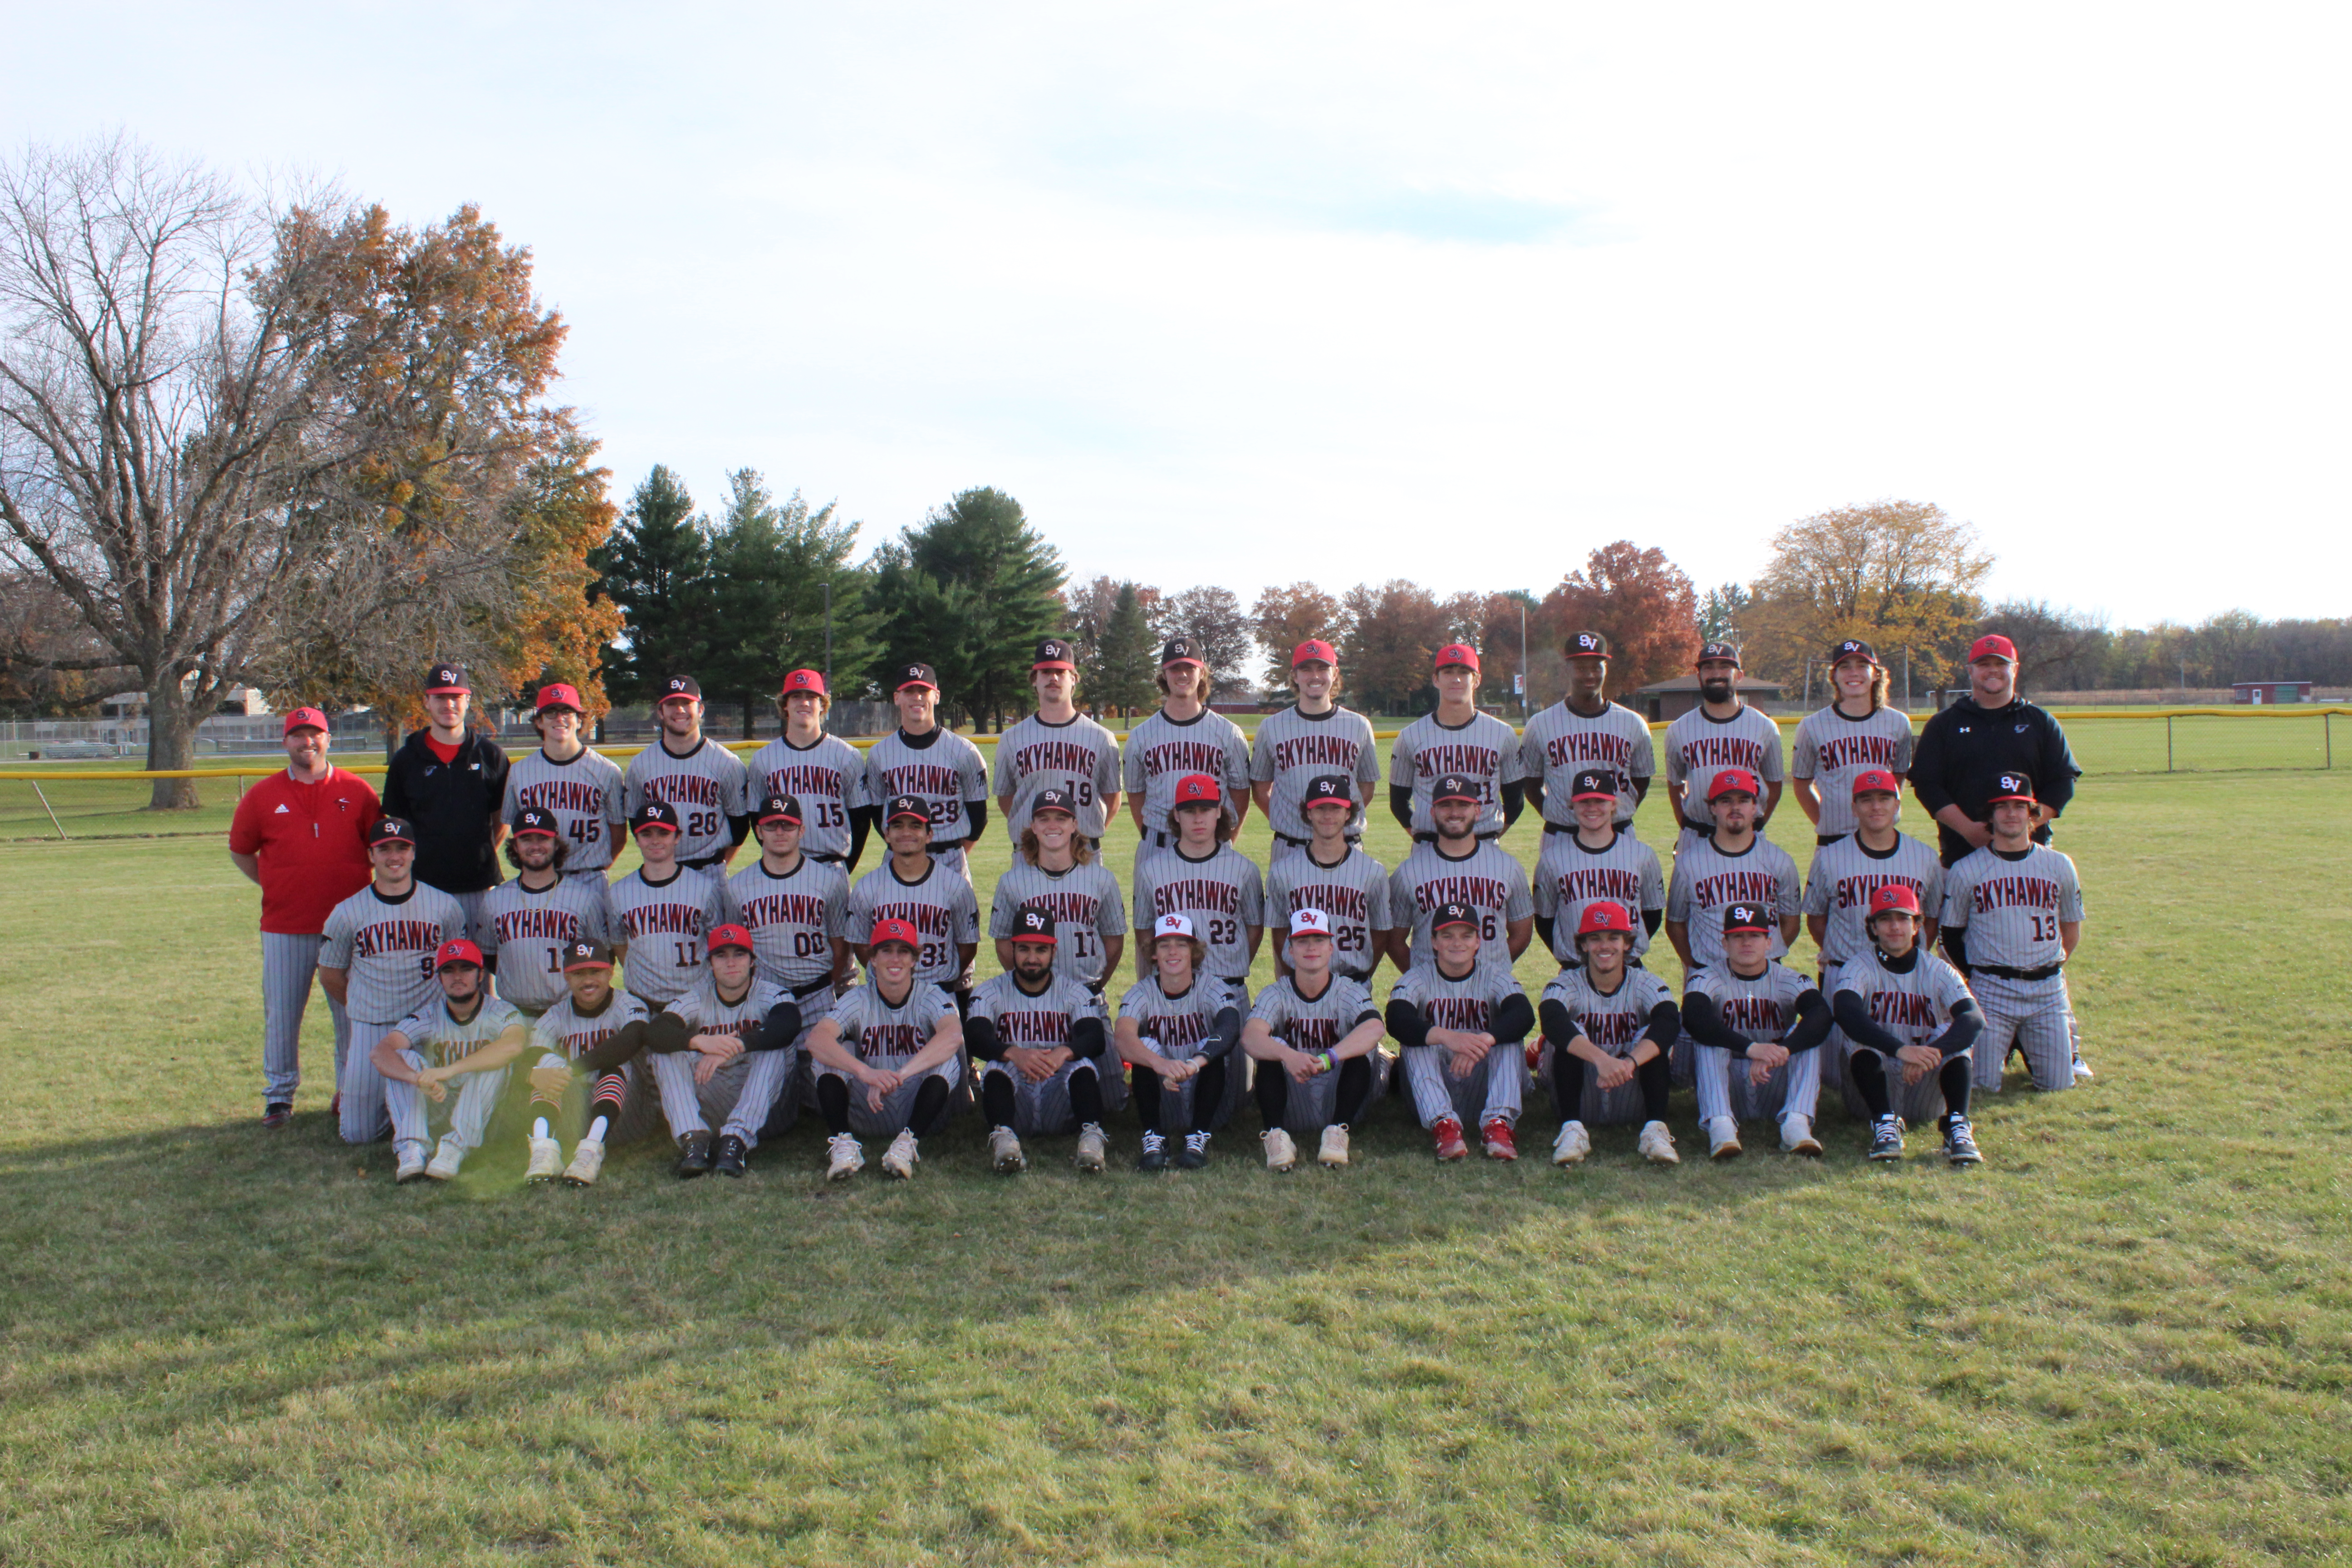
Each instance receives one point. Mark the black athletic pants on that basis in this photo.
(1869, 1069)
(1355, 1088)
(1571, 1073)
(833, 1092)
(1208, 1093)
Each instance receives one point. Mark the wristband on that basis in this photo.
(1323, 1061)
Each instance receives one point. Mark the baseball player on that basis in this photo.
(1459, 741)
(1057, 748)
(2012, 914)
(917, 888)
(888, 1058)
(1850, 867)
(1857, 732)
(587, 1045)
(726, 1049)
(1038, 1038)
(1315, 1038)
(1058, 870)
(1722, 733)
(445, 782)
(301, 837)
(463, 1033)
(796, 907)
(1185, 736)
(924, 761)
(376, 958)
(1337, 877)
(660, 914)
(825, 772)
(1459, 868)
(1582, 731)
(1176, 1029)
(1733, 864)
(1597, 859)
(1460, 1024)
(1311, 737)
(1759, 1026)
(1896, 1002)
(529, 920)
(1607, 1025)
(1205, 879)
(582, 789)
(707, 785)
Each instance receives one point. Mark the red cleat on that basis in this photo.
(1448, 1134)
(1500, 1144)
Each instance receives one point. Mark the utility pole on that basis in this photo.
(1523, 661)
(828, 635)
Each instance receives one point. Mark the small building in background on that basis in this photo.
(2261, 692)
(1663, 701)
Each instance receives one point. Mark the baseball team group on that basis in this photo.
(746, 972)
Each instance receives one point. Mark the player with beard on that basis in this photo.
(1038, 1038)
(1458, 867)
(1722, 733)
(706, 783)
(466, 1033)
(1899, 1004)
(529, 920)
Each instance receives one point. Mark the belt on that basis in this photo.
(2006, 972)
(1823, 839)
(797, 991)
(1555, 827)
(1294, 843)
(704, 864)
(828, 859)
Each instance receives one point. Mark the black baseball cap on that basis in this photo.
(1325, 788)
(1454, 786)
(532, 819)
(778, 809)
(1181, 650)
(1586, 645)
(1059, 800)
(2012, 785)
(1593, 784)
(905, 806)
(1853, 647)
(1052, 653)
(390, 830)
(1746, 917)
(654, 814)
(1453, 914)
(915, 675)
(446, 679)
(679, 686)
(586, 954)
(1717, 650)
(1034, 922)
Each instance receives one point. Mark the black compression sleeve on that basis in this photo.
(1514, 802)
(1666, 1023)
(1226, 1033)
(1087, 1039)
(861, 822)
(1651, 919)
(623, 1045)
(1405, 1022)
(980, 1037)
(779, 1029)
(1557, 1026)
(667, 1034)
(1966, 1026)
(1531, 790)
(1813, 1024)
(1513, 1019)
(489, 963)
(976, 813)
(1401, 805)
(738, 828)
(1704, 1024)
(1853, 1016)
(1543, 932)
(1956, 943)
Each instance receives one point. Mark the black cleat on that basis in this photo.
(1886, 1138)
(729, 1160)
(1155, 1153)
(694, 1155)
(1195, 1153)
(277, 1113)
(1961, 1144)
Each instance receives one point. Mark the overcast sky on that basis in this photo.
(1249, 293)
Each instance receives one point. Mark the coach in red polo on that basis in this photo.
(301, 834)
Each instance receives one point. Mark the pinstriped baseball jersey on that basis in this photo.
(441, 1040)
(1831, 748)
(1467, 1003)
(1087, 909)
(387, 946)
(793, 918)
(829, 780)
(1913, 1007)
(706, 787)
(1844, 875)
(1489, 879)
(1559, 742)
(942, 907)
(1354, 893)
(585, 794)
(2011, 904)
(1485, 751)
(1761, 1006)
(565, 1031)
(526, 932)
(1613, 1020)
(1568, 877)
(1080, 756)
(704, 1011)
(879, 1033)
(1315, 1024)
(1025, 1020)
(1293, 747)
(1706, 879)
(664, 925)
(1178, 1027)
(1698, 748)
(1222, 895)
(943, 775)
(1161, 750)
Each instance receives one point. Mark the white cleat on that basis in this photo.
(412, 1163)
(1723, 1139)
(587, 1163)
(899, 1159)
(1334, 1151)
(1797, 1136)
(1572, 1145)
(1004, 1156)
(546, 1159)
(1092, 1147)
(843, 1157)
(2083, 1073)
(1281, 1154)
(1657, 1144)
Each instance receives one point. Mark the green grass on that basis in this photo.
(2128, 1339)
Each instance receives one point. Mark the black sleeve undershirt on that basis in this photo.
(1514, 800)
(1852, 1015)
(861, 822)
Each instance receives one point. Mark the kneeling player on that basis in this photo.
(1314, 1036)
(1760, 1026)
(1607, 1029)
(2012, 914)
(467, 1034)
(888, 1058)
(1038, 1037)
(1460, 1024)
(1178, 1029)
(725, 1050)
(588, 1044)
(1899, 1003)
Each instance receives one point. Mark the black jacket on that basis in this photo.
(451, 807)
(1962, 749)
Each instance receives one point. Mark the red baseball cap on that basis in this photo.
(1876, 781)
(888, 930)
(1456, 654)
(1314, 651)
(731, 935)
(1994, 645)
(459, 950)
(1193, 787)
(1604, 915)
(1731, 780)
(558, 695)
(1890, 896)
(305, 718)
(803, 680)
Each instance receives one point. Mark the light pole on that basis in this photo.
(1523, 661)
(828, 633)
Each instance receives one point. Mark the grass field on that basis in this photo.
(2128, 1339)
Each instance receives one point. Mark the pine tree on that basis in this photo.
(656, 568)
(968, 591)
(769, 564)
(1124, 661)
